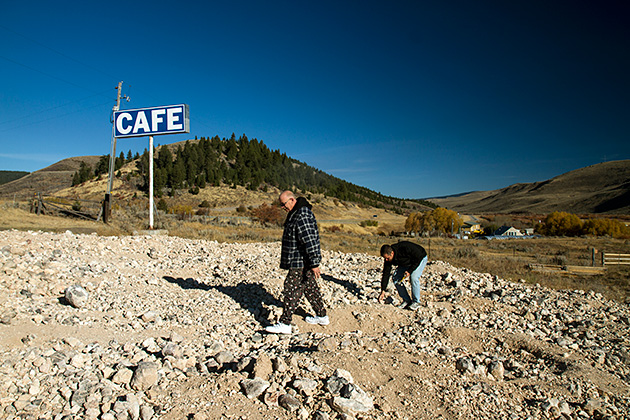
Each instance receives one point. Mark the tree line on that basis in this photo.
(8, 176)
(441, 221)
(238, 161)
(85, 172)
(561, 223)
(438, 221)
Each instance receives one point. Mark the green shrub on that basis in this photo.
(161, 205)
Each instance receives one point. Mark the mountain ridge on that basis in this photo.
(603, 188)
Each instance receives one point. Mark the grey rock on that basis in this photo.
(279, 365)
(253, 388)
(146, 412)
(224, 357)
(465, 365)
(355, 393)
(289, 403)
(305, 386)
(172, 349)
(76, 295)
(348, 406)
(215, 302)
(145, 376)
(320, 415)
(245, 364)
(496, 369)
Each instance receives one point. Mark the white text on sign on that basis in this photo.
(151, 121)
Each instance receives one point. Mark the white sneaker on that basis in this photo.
(317, 320)
(279, 328)
(403, 305)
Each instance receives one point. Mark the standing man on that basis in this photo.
(411, 259)
(301, 255)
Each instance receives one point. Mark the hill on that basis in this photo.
(8, 176)
(193, 165)
(602, 188)
(46, 181)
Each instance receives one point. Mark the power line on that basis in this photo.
(52, 108)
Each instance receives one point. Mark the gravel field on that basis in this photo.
(158, 327)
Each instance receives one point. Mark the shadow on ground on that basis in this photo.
(348, 285)
(251, 296)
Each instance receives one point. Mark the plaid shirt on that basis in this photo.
(300, 240)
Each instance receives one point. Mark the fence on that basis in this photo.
(86, 209)
(615, 259)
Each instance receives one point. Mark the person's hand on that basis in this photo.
(317, 272)
(381, 297)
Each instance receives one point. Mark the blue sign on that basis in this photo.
(170, 119)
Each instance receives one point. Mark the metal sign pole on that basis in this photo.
(151, 182)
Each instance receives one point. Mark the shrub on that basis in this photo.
(203, 211)
(183, 211)
(268, 215)
(161, 205)
(559, 260)
(367, 223)
(467, 252)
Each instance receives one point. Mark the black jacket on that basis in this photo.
(406, 254)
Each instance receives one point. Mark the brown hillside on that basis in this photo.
(48, 180)
(602, 188)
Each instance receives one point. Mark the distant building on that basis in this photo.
(508, 231)
(469, 228)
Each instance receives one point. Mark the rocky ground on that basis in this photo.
(157, 327)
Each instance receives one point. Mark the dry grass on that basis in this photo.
(18, 217)
(509, 259)
(512, 259)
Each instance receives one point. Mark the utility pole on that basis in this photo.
(112, 161)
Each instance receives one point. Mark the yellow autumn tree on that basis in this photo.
(439, 220)
(560, 223)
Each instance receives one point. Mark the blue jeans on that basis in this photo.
(415, 282)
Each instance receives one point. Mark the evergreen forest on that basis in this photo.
(195, 164)
(8, 176)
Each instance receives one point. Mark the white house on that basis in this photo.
(508, 231)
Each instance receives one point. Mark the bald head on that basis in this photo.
(287, 200)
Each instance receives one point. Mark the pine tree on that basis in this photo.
(178, 175)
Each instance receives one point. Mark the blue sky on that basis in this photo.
(411, 99)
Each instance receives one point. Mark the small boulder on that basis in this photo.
(76, 295)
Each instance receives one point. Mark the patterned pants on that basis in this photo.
(301, 282)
